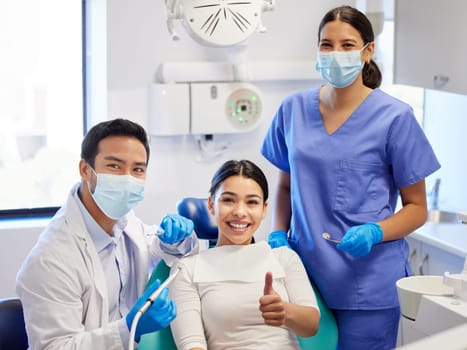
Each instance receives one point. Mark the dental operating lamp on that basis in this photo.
(218, 23)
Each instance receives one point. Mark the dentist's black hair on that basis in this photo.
(371, 73)
(245, 168)
(115, 127)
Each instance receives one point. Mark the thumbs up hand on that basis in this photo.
(271, 305)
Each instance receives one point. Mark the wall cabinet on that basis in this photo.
(429, 44)
(426, 259)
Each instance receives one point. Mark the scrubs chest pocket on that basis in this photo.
(361, 187)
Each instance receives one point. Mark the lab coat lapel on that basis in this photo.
(88, 250)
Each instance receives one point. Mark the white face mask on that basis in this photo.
(116, 195)
(340, 68)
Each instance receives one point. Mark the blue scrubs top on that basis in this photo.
(348, 178)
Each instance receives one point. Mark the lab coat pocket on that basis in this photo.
(361, 187)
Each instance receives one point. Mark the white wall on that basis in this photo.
(16, 241)
(137, 42)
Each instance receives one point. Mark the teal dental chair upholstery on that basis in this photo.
(205, 228)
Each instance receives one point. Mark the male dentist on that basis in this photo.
(82, 283)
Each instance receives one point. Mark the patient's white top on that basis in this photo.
(217, 295)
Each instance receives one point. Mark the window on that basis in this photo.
(42, 103)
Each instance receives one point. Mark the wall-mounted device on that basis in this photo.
(217, 23)
(203, 108)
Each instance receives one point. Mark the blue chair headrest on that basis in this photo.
(196, 209)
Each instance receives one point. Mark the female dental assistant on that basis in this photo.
(345, 151)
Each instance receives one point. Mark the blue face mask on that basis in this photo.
(116, 195)
(340, 68)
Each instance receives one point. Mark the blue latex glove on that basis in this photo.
(159, 314)
(176, 228)
(359, 240)
(278, 239)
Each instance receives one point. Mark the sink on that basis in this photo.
(410, 290)
(437, 216)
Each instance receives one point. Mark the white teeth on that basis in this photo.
(238, 225)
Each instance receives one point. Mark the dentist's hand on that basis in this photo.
(159, 314)
(359, 240)
(270, 304)
(278, 239)
(176, 228)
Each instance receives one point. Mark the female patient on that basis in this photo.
(241, 294)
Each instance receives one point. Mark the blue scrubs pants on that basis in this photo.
(367, 329)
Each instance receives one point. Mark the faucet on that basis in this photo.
(434, 194)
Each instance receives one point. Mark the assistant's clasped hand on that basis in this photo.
(359, 240)
(175, 228)
(278, 239)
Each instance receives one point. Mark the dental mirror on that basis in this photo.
(327, 237)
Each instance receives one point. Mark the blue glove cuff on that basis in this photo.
(377, 232)
(278, 234)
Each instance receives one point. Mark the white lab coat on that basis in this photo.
(63, 287)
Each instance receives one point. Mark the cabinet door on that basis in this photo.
(430, 48)
(435, 261)
(415, 247)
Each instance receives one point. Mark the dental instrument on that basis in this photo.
(327, 237)
(147, 305)
(159, 232)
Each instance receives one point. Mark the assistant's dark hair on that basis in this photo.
(371, 73)
(243, 168)
(115, 127)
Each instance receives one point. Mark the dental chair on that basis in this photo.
(205, 228)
